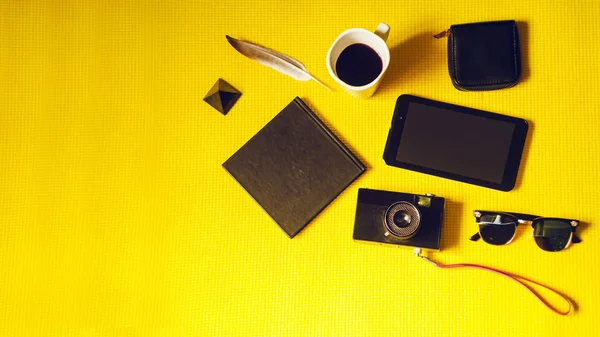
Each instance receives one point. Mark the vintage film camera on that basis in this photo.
(399, 218)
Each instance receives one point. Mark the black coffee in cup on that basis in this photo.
(358, 65)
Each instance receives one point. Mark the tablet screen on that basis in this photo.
(455, 142)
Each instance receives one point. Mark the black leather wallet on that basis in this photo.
(293, 167)
(484, 56)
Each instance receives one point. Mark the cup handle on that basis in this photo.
(382, 31)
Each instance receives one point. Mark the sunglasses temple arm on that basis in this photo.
(575, 239)
(476, 237)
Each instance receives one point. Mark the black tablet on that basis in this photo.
(455, 142)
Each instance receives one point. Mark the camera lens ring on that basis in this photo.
(402, 219)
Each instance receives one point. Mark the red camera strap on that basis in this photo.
(519, 279)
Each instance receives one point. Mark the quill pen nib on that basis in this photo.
(321, 83)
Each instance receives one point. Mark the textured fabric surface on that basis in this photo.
(117, 218)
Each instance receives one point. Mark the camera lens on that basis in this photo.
(402, 219)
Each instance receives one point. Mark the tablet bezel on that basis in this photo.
(514, 155)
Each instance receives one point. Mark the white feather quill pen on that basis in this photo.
(273, 59)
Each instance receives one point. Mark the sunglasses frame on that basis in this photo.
(526, 219)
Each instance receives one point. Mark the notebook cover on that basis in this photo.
(294, 167)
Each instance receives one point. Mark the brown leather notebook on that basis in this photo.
(294, 167)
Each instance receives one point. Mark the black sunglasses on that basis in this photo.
(550, 234)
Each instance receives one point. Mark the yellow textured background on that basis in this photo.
(116, 218)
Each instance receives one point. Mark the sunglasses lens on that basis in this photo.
(552, 235)
(497, 229)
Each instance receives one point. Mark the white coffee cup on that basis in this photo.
(375, 41)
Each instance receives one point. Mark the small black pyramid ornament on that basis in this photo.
(222, 96)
